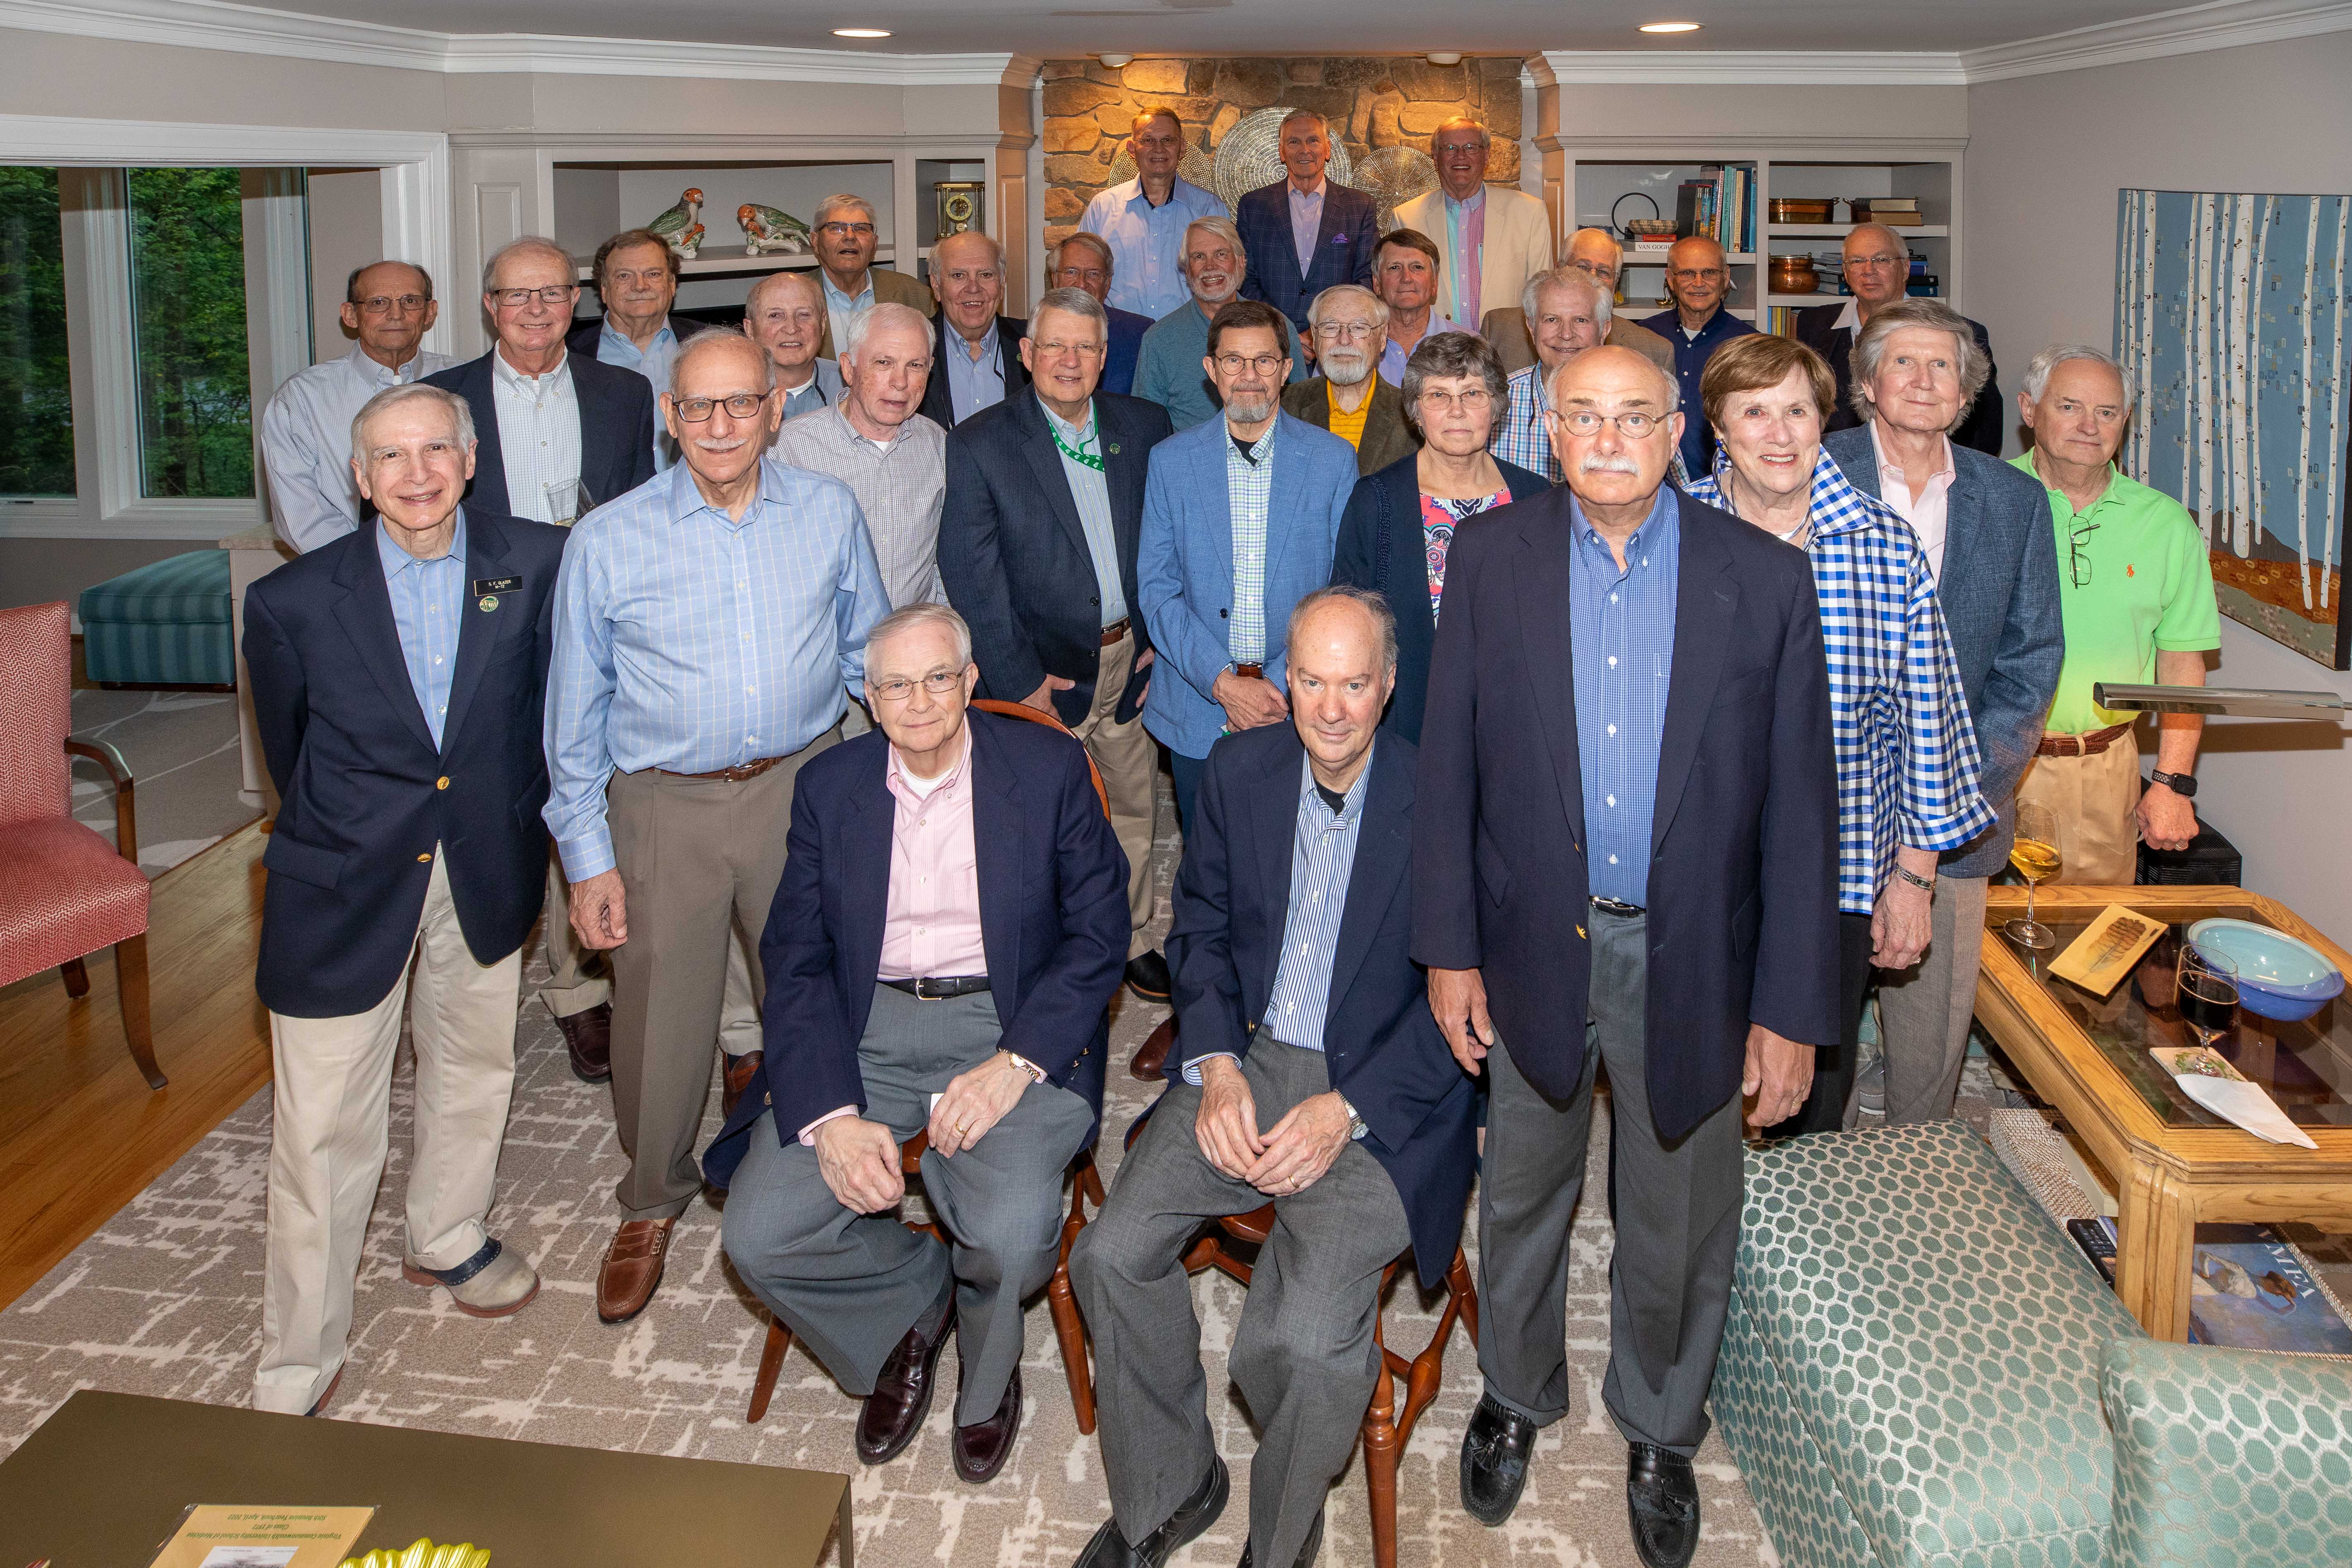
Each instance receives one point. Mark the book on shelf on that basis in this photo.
(1719, 206)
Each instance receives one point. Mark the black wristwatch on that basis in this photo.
(2182, 784)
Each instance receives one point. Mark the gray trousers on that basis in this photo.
(1303, 1354)
(1677, 1216)
(851, 1285)
(1924, 1012)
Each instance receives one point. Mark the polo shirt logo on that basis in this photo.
(2129, 571)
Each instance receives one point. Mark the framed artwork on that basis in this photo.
(2231, 316)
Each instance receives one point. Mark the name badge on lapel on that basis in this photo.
(490, 588)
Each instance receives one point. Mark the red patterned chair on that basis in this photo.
(64, 893)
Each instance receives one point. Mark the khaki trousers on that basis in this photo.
(1128, 761)
(330, 1135)
(2096, 802)
(579, 977)
(700, 860)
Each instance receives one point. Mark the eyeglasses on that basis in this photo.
(1056, 348)
(845, 230)
(1878, 262)
(1234, 364)
(1596, 271)
(938, 683)
(2078, 563)
(383, 304)
(516, 299)
(1345, 332)
(1476, 400)
(741, 405)
(1635, 427)
(1698, 275)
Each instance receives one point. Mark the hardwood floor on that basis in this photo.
(80, 1133)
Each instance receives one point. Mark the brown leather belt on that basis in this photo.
(2084, 745)
(735, 774)
(1250, 671)
(1115, 630)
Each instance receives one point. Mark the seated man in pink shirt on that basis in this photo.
(951, 927)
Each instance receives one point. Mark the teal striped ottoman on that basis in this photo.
(1911, 1368)
(164, 625)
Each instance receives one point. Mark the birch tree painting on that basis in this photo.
(2230, 314)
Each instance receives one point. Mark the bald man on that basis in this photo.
(1878, 270)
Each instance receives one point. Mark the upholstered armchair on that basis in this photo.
(64, 893)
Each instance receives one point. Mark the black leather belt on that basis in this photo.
(1617, 907)
(939, 988)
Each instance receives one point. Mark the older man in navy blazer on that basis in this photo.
(1306, 232)
(1314, 1076)
(943, 947)
(1625, 849)
(398, 675)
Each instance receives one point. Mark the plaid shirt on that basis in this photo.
(1519, 436)
(1907, 754)
(1249, 491)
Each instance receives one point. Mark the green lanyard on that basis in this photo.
(1087, 437)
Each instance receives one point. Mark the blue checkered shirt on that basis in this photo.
(1249, 492)
(688, 641)
(1620, 630)
(1907, 754)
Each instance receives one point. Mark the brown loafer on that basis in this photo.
(1150, 1060)
(588, 1036)
(902, 1394)
(742, 1072)
(980, 1450)
(318, 1406)
(633, 1267)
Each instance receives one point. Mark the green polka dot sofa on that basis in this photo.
(1919, 1370)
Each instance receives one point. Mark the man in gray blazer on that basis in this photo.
(1916, 370)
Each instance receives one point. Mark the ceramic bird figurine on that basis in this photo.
(767, 230)
(680, 227)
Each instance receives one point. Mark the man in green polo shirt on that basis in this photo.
(2136, 592)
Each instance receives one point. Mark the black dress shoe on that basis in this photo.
(1307, 1552)
(588, 1036)
(1147, 976)
(980, 1449)
(1661, 1504)
(1495, 1460)
(1109, 1549)
(902, 1393)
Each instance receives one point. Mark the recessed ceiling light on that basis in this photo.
(1443, 57)
(1669, 26)
(861, 32)
(1115, 60)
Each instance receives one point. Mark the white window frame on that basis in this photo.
(415, 178)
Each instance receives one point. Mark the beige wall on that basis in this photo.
(38, 571)
(346, 231)
(49, 73)
(2046, 156)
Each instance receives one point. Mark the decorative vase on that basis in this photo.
(1795, 275)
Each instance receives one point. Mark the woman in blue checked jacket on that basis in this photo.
(1906, 755)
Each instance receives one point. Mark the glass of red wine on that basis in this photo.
(2208, 992)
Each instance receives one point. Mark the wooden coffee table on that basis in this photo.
(104, 1480)
(2174, 1164)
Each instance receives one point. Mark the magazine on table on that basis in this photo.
(2249, 1290)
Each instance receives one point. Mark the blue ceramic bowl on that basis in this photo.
(2278, 978)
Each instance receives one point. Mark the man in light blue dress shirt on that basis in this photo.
(708, 624)
(1143, 220)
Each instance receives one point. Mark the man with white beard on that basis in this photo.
(1168, 366)
(1348, 323)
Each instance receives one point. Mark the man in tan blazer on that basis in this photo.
(847, 240)
(1490, 238)
(1594, 253)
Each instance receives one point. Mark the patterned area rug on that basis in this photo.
(181, 749)
(165, 1300)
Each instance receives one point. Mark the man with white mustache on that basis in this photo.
(1168, 366)
(708, 626)
(1348, 322)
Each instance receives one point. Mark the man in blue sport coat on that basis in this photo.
(398, 677)
(1239, 517)
(1306, 232)
(1313, 1076)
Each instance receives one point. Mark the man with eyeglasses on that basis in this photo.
(637, 279)
(945, 943)
(1239, 519)
(1037, 548)
(975, 363)
(785, 314)
(2135, 590)
(708, 625)
(1168, 368)
(1878, 273)
(1625, 850)
(1350, 399)
(1142, 221)
(1595, 253)
(1495, 238)
(847, 243)
(1084, 261)
(306, 431)
(1698, 280)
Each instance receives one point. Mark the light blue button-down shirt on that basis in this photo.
(428, 604)
(1090, 488)
(1305, 218)
(688, 641)
(653, 361)
(840, 307)
(1621, 642)
(1393, 353)
(973, 383)
(1147, 243)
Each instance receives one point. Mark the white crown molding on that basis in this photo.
(1727, 68)
(71, 143)
(2195, 29)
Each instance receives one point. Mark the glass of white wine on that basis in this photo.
(2035, 853)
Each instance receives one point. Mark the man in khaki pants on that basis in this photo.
(2136, 587)
(1049, 589)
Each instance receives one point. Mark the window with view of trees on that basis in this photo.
(36, 451)
(187, 289)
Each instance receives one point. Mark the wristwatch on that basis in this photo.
(1357, 1127)
(2182, 784)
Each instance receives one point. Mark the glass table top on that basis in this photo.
(2306, 1066)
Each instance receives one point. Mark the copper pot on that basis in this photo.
(1795, 275)
(1799, 209)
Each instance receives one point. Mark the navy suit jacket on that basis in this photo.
(366, 794)
(616, 429)
(1981, 429)
(1381, 546)
(937, 401)
(1743, 869)
(1020, 573)
(1382, 1048)
(1052, 918)
(1126, 330)
(1343, 246)
(1999, 591)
